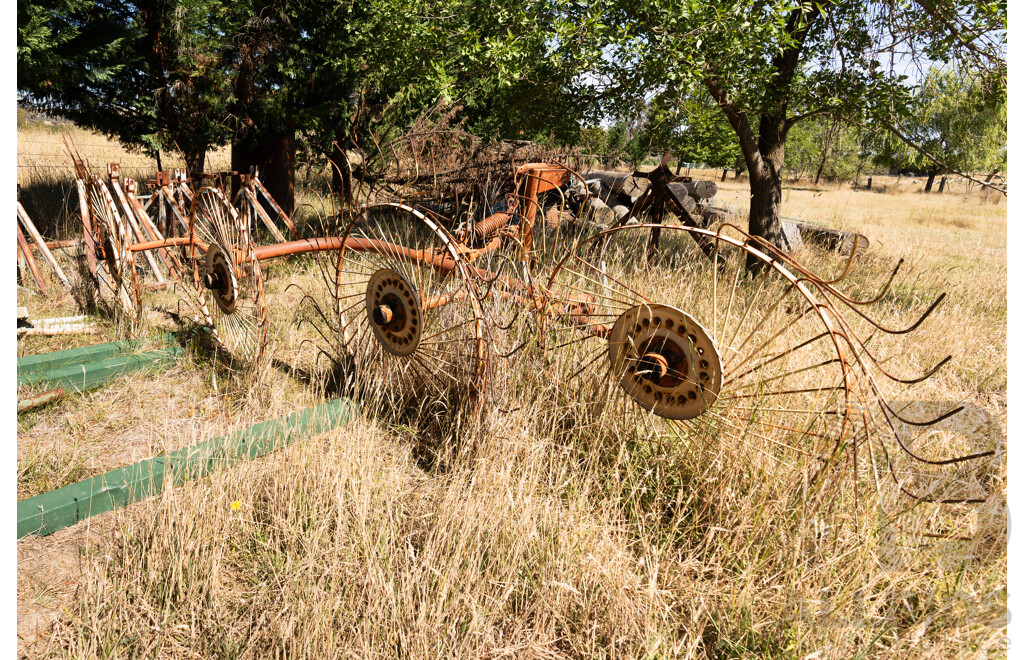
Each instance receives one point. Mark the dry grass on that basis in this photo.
(555, 529)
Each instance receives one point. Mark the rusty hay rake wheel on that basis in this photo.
(227, 281)
(770, 364)
(406, 327)
(116, 287)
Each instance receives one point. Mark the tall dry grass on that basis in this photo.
(557, 528)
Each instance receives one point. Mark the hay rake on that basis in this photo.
(411, 309)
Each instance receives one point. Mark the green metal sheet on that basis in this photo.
(90, 375)
(35, 367)
(49, 512)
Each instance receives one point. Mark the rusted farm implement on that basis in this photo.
(780, 358)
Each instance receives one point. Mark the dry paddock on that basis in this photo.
(537, 535)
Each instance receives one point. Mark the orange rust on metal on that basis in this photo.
(540, 177)
(166, 243)
(87, 229)
(27, 252)
(163, 178)
(277, 208)
(113, 170)
(41, 399)
(62, 245)
(471, 255)
(438, 261)
(174, 267)
(488, 226)
(382, 315)
(655, 366)
(443, 299)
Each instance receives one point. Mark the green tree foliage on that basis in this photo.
(957, 120)
(199, 73)
(618, 136)
(824, 148)
(704, 135)
(146, 75)
(769, 65)
(593, 140)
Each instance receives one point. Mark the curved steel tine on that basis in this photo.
(910, 381)
(913, 327)
(863, 344)
(931, 422)
(850, 301)
(886, 410)
(849, 263)
(924, 498)
(783, 256)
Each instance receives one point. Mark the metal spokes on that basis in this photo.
(227, 279)
(116, 287)
(406, 324)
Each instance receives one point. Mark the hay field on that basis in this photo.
(555, 527)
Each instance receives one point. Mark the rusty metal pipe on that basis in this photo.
(440, 262)
(41, 399)
(532, 185)
(382, 315)
(27, 253)
(166, 243)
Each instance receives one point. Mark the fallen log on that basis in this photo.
(680, 197)
(710, 214)
(601, 213)
(620, 183)
(829, 238)
(698, 189)
(51, 330)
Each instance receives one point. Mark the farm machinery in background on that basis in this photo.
(425, 292)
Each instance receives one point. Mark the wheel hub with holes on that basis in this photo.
(665, 361)
(395, 312)
(220, 279)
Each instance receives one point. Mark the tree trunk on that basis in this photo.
(988, 179)
(931, 180)
(821, 166)
(942, 184)
(275, 158)
(765, 202)
(831, 137)
(195, 162)
(341, 175)
(766, 187)
(724, 172)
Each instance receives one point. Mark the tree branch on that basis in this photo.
(739, 122)
(806, 115)
(787, 62)
(910, 143)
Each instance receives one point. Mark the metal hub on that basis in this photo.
(395, 313)
(665, 361)
(220, 279)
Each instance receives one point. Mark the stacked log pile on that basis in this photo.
(613, 194)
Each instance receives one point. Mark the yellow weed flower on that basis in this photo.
(236, 505)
